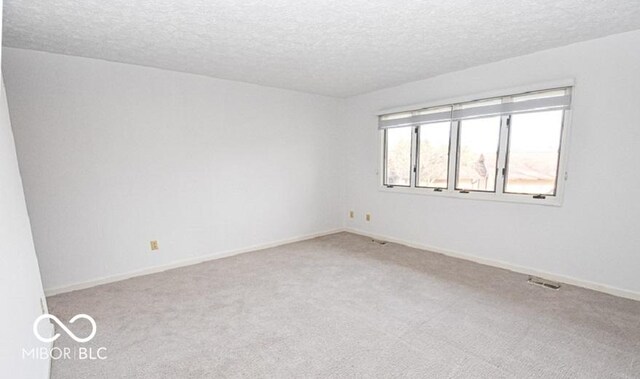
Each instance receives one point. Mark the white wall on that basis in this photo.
(20, 285)
(592, 237)
(116, 155)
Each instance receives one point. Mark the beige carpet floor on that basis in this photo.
(343, 306)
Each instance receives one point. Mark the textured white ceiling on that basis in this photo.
(332, 47)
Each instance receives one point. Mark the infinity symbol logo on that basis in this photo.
(60, 324)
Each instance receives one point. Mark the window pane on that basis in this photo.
(398, 156)
(534, 146)
(480, 103)
(540, 95)
(478, 154)
(433, 110)
(433, 161)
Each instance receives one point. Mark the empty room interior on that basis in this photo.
(320, 189)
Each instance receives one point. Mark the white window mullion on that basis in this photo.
(453, 156)
(414, 155)
(502, 154)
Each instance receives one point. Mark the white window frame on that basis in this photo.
(499, 194)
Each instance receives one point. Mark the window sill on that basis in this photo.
(555, 201)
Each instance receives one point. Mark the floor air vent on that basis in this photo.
(379, 242)
(544, 283)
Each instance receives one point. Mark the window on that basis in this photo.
(478, 154)
(505, 148)
(398, 156)
(433, 155)
(533, 153)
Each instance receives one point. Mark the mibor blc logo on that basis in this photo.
(64, 327)
(77, 352)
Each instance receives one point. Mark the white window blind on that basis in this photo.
(556, 99)
(417, 117)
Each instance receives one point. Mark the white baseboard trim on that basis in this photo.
(182, 263)
(615, 291)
